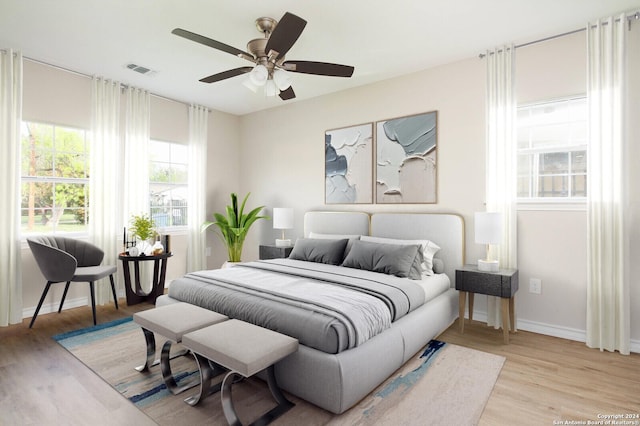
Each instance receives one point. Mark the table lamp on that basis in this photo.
(282, 219)
(488, 231)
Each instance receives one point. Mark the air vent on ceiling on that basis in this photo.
(140, 69)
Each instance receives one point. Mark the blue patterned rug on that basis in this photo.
(443, 384)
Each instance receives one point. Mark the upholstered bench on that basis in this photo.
(172, 321)
(244, 349)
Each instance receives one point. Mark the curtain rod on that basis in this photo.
(630, 18)
(81, 74)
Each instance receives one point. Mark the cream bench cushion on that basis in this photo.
(239, 346)
(175, 320)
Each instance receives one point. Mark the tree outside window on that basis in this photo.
(55, 179)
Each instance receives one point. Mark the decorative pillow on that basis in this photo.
(391, 259)
(351, 238)
(319, 250)
(428, 248)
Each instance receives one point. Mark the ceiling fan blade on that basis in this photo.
(285, 34)
(226, 74)
(319, 68)
(287, 94)
(211, 43)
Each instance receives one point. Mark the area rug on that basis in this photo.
(442, 384)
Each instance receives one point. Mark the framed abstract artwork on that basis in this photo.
(348, 165)
(406, 159)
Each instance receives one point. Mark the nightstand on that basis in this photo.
(503, 283)
(274, 252)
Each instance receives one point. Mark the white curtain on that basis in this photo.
(10, 250)
(501, 159)
(608, 312)
(198, 117)
(136, 154)
(105, 185)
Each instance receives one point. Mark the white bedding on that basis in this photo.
(434, 285)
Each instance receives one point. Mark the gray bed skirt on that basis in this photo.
(336, 382)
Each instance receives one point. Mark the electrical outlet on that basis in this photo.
(535, 285)
(208, 251)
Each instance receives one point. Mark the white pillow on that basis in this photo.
(429, 249)
(351, 239)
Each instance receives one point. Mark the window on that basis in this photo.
(168, 187)
(552, 150)
(55, 179)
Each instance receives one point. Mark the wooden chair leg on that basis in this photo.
(113, 290)
(44, 295)
(64, 296)
(93, 301)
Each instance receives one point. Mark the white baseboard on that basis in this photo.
(553, 330)
(47, 308)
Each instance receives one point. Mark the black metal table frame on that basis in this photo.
(137, 295)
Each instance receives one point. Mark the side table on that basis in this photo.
(136, 294)
(274, 252)
(503, 283)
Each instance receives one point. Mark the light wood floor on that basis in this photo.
(543, 380)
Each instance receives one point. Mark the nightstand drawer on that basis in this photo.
(503, 283)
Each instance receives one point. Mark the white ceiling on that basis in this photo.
(380, 38)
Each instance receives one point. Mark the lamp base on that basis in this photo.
(488, 265)
(283, 243)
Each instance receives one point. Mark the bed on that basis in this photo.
(341, 361)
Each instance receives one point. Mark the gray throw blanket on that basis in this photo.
(326, 307)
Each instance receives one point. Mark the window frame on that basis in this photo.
(569, 203)
(25, 178)
(172, 229)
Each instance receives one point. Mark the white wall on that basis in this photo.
(55, 96)
(283, 165)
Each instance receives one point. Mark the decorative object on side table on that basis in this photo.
(503, 283)
(142, 227)
(233, 227)
(488, 231)
(282, 219)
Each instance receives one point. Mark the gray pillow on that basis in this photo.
(391, 259)
(319, 250)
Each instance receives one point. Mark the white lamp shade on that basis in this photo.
(488, 227)
(259, 75)
(282, 218)
(270, 89)
(282, 79)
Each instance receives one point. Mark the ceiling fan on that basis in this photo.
(268, 55)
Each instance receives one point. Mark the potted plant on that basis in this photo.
(234, 226)
(142, 227)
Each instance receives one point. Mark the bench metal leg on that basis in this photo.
(230, 414)
(167, 374)
(150, 361)
(208, 370)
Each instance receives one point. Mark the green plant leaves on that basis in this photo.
(233, 227)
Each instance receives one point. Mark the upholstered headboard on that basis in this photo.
(351, 223)
(446, 230)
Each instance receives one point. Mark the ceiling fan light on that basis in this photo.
(271, 89)
(259, 75)
(282, 79)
